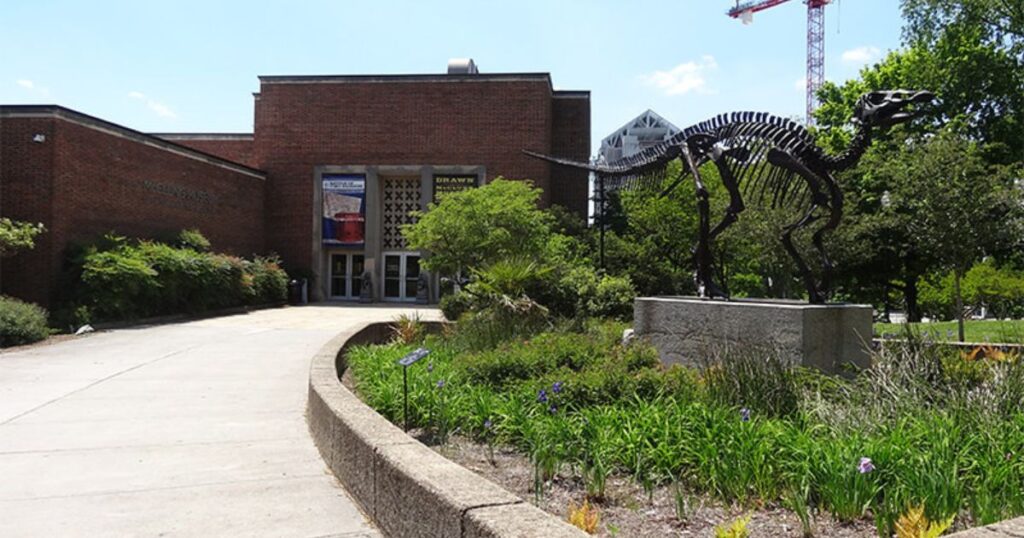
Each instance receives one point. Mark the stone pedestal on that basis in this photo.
(693, 331)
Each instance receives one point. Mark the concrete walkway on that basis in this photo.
(188, 429)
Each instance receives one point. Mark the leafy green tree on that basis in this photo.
(943, 207)
(16, 235)
(477, 227)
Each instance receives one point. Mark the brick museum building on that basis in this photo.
(330, 172)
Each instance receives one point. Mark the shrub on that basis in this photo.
(21, 322)
(454, 305)
(613, 297)
(122, 279)
(269, 282)
(193, 239)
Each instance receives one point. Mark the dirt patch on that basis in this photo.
(629, 511)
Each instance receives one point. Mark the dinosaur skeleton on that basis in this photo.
(765, 159)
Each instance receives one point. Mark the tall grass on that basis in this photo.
(935, 434)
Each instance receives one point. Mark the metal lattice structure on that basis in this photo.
(815, 41)
(764, 159)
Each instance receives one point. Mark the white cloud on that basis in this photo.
(684, 78)
(800, 84)
(157, 107)
(32, 88)
(861, 55)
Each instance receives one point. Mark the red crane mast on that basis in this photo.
(815, 41)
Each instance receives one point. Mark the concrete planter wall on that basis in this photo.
(406, 488)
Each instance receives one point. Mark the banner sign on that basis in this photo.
(344, 211)
(446, 183)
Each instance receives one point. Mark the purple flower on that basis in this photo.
(542, 396)
(557, 387)
(745, 414)
(865, 466)
(440, 383)
(553, 409)
(488, 424)
(430, 366)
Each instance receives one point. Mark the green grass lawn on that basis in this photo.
(1003, 332)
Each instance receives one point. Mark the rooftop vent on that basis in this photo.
(462, 66)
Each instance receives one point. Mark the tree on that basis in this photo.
(957, 50)
(16, 235)
(475, 228)
(944, 208)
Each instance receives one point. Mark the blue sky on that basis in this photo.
(192, 65)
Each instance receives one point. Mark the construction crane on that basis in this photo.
(815, 41)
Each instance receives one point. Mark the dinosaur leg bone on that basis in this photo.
(732, 213)
(835, 207)
(819, 199)
(705, 283)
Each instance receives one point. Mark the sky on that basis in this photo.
(191, 66)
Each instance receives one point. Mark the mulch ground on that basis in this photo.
(628, 511)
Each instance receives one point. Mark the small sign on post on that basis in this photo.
(405, 362)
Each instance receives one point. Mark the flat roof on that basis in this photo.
(430, 78)
(92, 122)
(203, 136)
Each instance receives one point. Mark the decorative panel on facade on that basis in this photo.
(401, 197)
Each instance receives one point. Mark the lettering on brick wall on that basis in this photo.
(448, 183)
(180, 196)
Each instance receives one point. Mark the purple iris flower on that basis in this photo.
(553, 409)
(865, 466)
(542, 396)
(488, 424)
(557, 387)
(440, 383)
(745, 414)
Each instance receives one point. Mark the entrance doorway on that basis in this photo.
(401, 276)
(346, 275)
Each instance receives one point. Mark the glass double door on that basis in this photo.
(401, 276)
(346, 275)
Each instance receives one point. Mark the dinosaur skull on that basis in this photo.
(888, 108)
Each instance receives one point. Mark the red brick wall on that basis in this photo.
(303, 125)
(102, 182)
(239, 151)
(26, 188)
(571, 139)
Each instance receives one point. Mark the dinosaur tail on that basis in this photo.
(596, 168)
(632, 175)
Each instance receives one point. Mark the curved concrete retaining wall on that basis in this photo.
(1011, 528)
(405, 487)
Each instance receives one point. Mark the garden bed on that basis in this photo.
(574, 415)
(628, 510)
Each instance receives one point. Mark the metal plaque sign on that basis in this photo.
(413, 356)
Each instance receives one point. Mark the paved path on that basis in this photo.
(189, 429)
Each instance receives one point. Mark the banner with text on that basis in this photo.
(344, 211)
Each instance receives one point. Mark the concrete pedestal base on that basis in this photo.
(692, 331)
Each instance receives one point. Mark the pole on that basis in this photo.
(604, 210)
(405, 397)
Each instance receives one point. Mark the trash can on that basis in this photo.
(297, 294)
